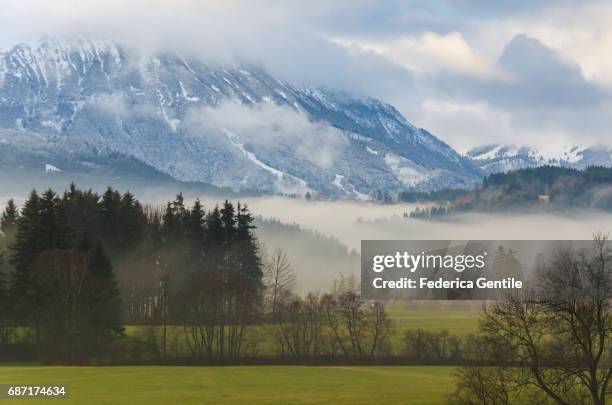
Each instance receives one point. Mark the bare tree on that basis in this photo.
(557, 343)
(280, 279)
(299, 332)
(359, 329)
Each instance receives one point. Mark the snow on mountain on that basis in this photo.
(497, 158)
(236, 127)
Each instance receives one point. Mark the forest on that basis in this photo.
(546, 188)
(81, 271)
(104, 279)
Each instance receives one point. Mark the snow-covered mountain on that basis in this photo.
(236, 127)
(497, 158)
(31, 160)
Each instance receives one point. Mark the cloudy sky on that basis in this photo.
(470, 71)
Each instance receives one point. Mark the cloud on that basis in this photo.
(111, 103)
(269, 128)
(539, 70)
(435, 53)
(543, 77)
(582, 31)
(268, 33)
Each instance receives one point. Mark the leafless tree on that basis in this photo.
(299, 332)
(359, 329)
(280, 279)
(557, 343)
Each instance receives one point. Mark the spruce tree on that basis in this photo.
(214, 227)
(250, 262)
(130, 221)
(28, 243)
(170, 224)
(214, 238)
(103, 299)
(195, 229)
(55, 231)
(109, 209)
(10, 215)
(228, 218)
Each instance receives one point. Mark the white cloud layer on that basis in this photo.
(272, 128)
(472, 71)
(431, 52)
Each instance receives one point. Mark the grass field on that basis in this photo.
(414, 385)
(459, 322)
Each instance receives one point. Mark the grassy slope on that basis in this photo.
(242, 385)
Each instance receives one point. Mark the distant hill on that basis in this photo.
(500, 158)
(316, 259)
(542, 188)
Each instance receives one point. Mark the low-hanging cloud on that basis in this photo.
(111, 103)
(272, 127)
(413, 54)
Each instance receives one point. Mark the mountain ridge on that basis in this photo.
(501, 158)
(235, 127)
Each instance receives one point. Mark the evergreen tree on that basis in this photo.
(249, 258)
(28, 243)
(175, 220)
(170, 224)
(195, 229)
(214, 241)
(103, 299)
(8, 221)
(228, 219)
(109, 214)
(55, 231)
(130, 219)
(214, 227)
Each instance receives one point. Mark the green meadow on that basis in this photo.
(414, 385)
(456, 322)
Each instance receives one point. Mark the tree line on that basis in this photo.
(546, 187)
(76, 268)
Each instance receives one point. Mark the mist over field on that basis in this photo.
(351, 222)
(323, 238)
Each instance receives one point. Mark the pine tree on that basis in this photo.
(28, 243)
(228, 219)
(214, 227)
(195, 229)
(214, 241)
(170, 225)
(10, 216)
(130, 220)
(250, 262)
(55, 231)
(109, 221)
(103, 298)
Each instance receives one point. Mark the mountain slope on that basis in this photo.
(237, 127)
(34, 160)
(501, 158)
